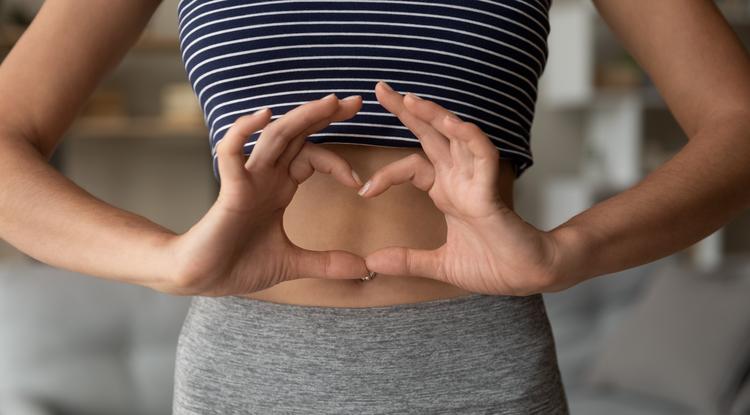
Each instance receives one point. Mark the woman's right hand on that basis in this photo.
(239, 246)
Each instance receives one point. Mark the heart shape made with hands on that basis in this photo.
(241, 247)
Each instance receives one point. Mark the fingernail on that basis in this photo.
(364, 188)
(329, 95)
(387, 87)
(261, 111)
(452, 118)
(356, 178)
(350, 98)
(415, 96)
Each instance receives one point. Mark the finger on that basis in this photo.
(485, 156)
(336, 264)
(451, 126)
(314, 157)
(476, 140)
(229, 152)
(414, 168)
(348, 107)
(278, 134)
(461, 157)
(400, 260)
(471, 149)
(434, 145)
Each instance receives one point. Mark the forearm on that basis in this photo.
(689, 197)
(47, 216)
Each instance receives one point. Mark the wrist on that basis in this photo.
(573, 256)
(166, 276)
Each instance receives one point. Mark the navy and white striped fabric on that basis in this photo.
(480, 59)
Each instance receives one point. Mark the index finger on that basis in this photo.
(435, 146)
(277, 135)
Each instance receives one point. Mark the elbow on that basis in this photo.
(735, 116)
(730, 123)
(10, 139)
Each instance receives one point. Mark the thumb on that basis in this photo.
(400, 260)
(335, 264)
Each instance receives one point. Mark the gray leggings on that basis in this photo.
(470, 354)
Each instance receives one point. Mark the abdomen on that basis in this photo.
(326, 215)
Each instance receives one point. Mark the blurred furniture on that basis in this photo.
(75, 344)
(660, 339)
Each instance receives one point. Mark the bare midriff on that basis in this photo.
(325, 215)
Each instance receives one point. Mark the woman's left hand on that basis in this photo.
(489, 248)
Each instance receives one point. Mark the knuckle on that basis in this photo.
(318, 119)
(409, 262)
(304, 154)
(339, 167)
(421, 163)
(325, 262)
(222, 149)
(307, 117)
(471, 127)
(415, 158)
(274, 129)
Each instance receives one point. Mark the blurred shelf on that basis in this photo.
(650, 96)
(584, 49)
(135, 127)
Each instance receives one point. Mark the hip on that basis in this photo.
(458, 355)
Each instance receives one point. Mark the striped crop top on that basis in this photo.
(480, 59)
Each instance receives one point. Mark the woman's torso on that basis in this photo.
(326, 215)
(480, 59)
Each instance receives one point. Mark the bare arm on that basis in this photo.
(44, 81)
(703, 72)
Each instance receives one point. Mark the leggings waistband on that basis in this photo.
(475, 313)
(470, 354)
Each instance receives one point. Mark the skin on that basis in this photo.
(489, 248)
(460, 232)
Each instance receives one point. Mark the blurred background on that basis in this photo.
(668, 337)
